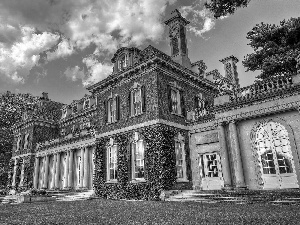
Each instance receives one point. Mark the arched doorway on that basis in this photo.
(275, 156)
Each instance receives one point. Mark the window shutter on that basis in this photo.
(169, 98)
(143, 98)
(182, 104)
(129, 102)
(105, 111)
(118, 107)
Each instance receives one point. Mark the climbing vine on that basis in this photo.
(160, 165)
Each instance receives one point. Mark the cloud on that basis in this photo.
(202, 20)
(17, 59)
(74, 73)
(73, 26)
(64, 48)
(97, 70)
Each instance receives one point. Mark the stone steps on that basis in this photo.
(276, 197)
(75, 196)
(9, 199)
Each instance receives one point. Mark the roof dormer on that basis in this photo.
(124, 58)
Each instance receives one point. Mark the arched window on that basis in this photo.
(274, 149)
(138, 159)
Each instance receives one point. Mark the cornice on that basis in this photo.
(67, 147)
(255, 112)
(25, 124)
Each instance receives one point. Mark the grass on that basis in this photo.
(101, 211)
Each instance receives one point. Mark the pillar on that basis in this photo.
(45, 183)
(36, 172)
(53, 173)
(14, 175)
(81, 167)
(86, 168)
(70, 175)
(236, 155)
(66, 172)
(224, 157)
(57, 170)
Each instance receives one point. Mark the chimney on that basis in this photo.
(177, 33)
(45, 96)
(231, 69)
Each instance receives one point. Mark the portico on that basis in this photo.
(65, 168)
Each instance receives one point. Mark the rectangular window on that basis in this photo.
(175, 101)
(138, 160)
(112, 110)
(179, 159)
(86, 104)
(137, 101)
(211, 164)
(112, 168)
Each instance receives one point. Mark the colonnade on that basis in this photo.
(65, 170)
(233, 142)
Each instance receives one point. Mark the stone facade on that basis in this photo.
(156, 123)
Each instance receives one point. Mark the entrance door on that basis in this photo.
(275, 156)
(211, 171)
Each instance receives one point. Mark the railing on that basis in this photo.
(262, 88)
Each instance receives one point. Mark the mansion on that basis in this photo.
(159, 122)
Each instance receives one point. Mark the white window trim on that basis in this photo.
(110, 148)
(18, 142)
(111, 119)
(135, 142)
(139, 89)
(178, 98)
(26, 141)
(181, 140)
(85, 105)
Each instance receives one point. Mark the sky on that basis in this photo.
(63, 46)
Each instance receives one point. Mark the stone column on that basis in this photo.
(14, 175)
(86, 167)
(81, 167)
(70, 175)
(57, 170)
(53, 173)
(66, 172)
(236, 155)
(224, 157)
(45, 183)
(36, 172)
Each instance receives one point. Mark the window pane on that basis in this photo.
(138, 159)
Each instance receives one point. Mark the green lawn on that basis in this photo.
(100, 211)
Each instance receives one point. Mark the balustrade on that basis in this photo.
(263, 88)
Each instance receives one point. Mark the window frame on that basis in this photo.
(133, 160)
(181, 140)
(108, 158)
(176, 107)
(134, 103)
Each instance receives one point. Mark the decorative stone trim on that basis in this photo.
(140, 125)
(76, 145)
(22, 156)
(261, 112)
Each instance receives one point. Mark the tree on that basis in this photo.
(276, 48)
(224, 7)
(11, 108)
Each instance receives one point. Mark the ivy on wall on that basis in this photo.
(160, 165)
(18, 173)
(10, 173)
(28, 172)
